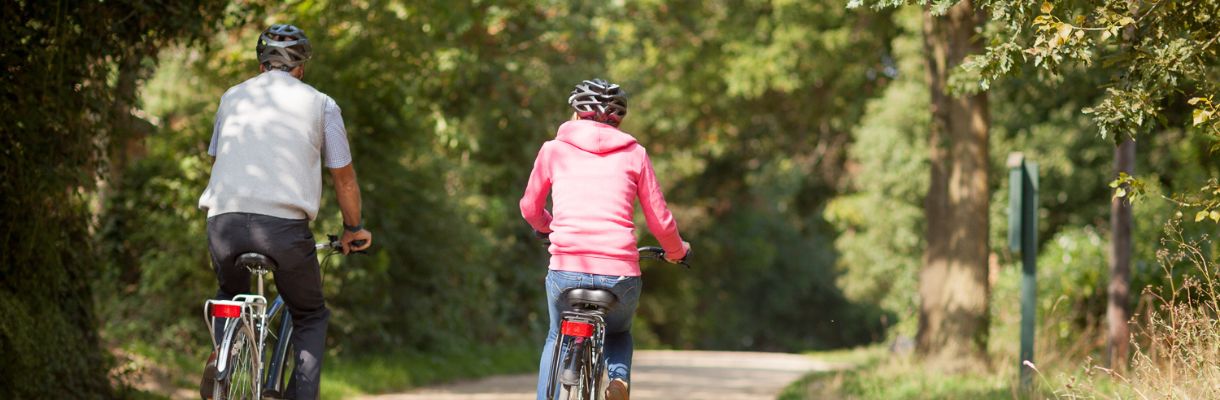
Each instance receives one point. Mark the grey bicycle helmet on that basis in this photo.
(600, 101)
(283, 47)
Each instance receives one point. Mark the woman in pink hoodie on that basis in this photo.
(594, 173)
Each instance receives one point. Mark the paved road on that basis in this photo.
(657, 375)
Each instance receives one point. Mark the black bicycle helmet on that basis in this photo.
(283, 47)
(600, 101)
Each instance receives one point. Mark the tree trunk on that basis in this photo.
(953, 285)
(1117, 313)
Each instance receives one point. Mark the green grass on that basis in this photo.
(401, 370)
(349, 376)
(879, 376)
(855, 356)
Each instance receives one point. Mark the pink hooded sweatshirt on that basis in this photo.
(594, 173)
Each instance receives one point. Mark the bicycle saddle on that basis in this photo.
(599, 298)
(255, 261)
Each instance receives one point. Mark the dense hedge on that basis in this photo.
(71, 70)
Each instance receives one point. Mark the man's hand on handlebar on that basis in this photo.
(679, 260)
(362, 240)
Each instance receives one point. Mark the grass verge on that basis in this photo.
(877, 375)
(401, 370)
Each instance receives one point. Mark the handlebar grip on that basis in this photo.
(657, 253)
(686, 257)
(545, 238)
(335, 244)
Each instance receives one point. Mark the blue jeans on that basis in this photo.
(618, 347)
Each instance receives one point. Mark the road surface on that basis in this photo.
(657, 375)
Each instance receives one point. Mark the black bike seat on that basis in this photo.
(599, 298)
(256, 261)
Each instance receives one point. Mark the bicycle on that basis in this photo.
(248, 322)
(582, 337)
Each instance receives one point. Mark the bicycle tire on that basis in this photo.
(240, 380)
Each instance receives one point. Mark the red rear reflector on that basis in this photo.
(579, 329)
(226, 310)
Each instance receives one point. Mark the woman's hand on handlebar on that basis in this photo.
(685, 250)
(545, 237)
(356, 241)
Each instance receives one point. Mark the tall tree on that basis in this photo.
(1119, 291)
(953, 284)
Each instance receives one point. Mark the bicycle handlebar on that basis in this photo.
(333, 243)
(646, 252)
(657, 253)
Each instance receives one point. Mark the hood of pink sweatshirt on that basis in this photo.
(593, 137)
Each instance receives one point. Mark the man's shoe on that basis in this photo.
(208, 383)
(617, 390)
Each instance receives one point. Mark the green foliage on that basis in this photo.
(1153, 55)
(881, 222)
(398, 370)
(1154, 61)
(1071, 274)
(1039, 115)
(882, 375)
(742, 106)
(69, 73)
(790, 137)
(445, 110)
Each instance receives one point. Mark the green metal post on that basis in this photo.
(1016, 173)
(1023, 238)
(1029, 270)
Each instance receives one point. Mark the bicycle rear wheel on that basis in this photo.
(584, 387)
(239, 381)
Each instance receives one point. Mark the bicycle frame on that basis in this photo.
(275, 364)
(254, 315)
(252, 312)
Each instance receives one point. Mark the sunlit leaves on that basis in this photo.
(1128, 187)
(1206, 116)
(1152, 52)
(1206, 201)
(1214, 215)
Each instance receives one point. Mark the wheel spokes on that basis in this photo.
(241, 377)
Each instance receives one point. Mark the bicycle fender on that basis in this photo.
(222, 357)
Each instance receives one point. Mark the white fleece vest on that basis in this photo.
(268, 153)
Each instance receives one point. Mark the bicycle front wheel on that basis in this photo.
(239, 381)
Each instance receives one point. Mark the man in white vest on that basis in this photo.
(273, 134)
